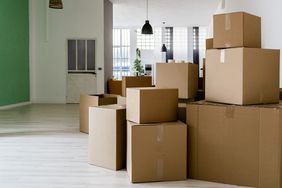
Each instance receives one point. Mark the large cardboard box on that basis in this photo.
(183, 76)
(107, 136)
(115, 87)
(209, 43)
(237, 29)
(238, 145)
(156, 152)
(92, 100)
(242, 76)
(135, 81)
(151, 105)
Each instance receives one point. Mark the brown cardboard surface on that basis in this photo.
(238, 29)
(92, 100)
(209, 43)
(115, 87)
(183, 76)
(135, 81)
(121, 100)
(151, 105)
(107, 136)
(242, 76)
(238, 145)
(156, 152)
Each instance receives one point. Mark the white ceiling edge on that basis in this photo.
(177, 13)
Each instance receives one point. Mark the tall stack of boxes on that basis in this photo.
(229, 142)
(156, 141)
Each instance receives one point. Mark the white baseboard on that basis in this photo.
(14, 105)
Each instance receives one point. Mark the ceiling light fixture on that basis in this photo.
(56, 4)
(147, 28)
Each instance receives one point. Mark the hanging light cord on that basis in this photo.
(147, 9)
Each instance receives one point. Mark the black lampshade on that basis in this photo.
(56, 4)
(164, 49)
(147, 28)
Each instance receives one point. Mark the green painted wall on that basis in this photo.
(14, 52)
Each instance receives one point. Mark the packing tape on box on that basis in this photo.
(229, 112)
(160, 169)
(227, 44)
(160, 160)
(227, 22)
(222, 56)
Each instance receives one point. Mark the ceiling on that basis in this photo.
(132, 13)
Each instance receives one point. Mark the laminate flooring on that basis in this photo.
(41, 147)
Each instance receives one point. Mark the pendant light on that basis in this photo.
(56, 4)
(164, 49)
(147, 28)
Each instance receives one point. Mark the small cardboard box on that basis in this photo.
(151, 105)
(238, 145)
(92, 100)
(135, 81)
(115, 87)
(242, 76)
(107, 136)
(121, 100)
(183, 76)
(156, 152)
(209, 43)
(237, 29)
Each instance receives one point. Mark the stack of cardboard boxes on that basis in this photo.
(184, 77)
(156, 141)
(229, 142)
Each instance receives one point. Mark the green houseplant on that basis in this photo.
(137, 66)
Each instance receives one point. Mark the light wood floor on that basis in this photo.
(41, 146)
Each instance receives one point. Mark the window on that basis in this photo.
(121, 53)
(180, 43)
(149, 42)
(81, 56)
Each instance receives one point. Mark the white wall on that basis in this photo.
(78, 19)
(270, 11)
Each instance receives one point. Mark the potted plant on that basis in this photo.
(137, 66)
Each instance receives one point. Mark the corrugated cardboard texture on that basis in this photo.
(151, 105)
(209, 43)
(237, 29)
(115, 87)
(183, 76)
(107, 136)
(238, 145)
(242, 76)
(92, 100)
(156, 152)
(135, 81)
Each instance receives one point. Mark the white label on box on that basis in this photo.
(222, 56)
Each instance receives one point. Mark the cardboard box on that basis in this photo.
(107, 136)
(209, 43)
(156, 152)
(115, 87)
(135, 81)
(183, 76)
(236, 29)
(242, 76)
(121, 100)
(92, 100)
(238, 145)
(151, 105)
